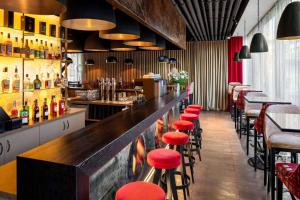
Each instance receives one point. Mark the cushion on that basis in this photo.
(192, 111)
(175, 138)
(163, 159)
(183, 125)
(189, 117)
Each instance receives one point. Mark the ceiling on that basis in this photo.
(211, 19)
(250, 15)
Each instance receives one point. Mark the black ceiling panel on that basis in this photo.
(211, 19)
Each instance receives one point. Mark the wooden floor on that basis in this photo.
(224, 173)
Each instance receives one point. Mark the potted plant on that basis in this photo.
(180, 79)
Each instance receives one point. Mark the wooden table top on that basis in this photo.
(285, 122)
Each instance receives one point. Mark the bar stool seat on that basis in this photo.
(140, 190)
(175, 138)
(164, 159)
(192, 111)
(195, 106)
(189, 117)
(252, 113)
(183, 125)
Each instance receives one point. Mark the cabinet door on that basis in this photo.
(75, 122)
(51, 130)
(2, 150)
(20, 142)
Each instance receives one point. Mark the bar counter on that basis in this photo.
(69, 167)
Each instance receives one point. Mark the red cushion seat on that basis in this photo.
(163, 159)
(192, 111)
(183, 125)
(175, 138)
(195, 106)
(189, 117)
(140, 190)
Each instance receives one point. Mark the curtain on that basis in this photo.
(208, 63)
(276, 72)
(235, 69)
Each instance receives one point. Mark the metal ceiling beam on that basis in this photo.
(200, 19)
(216, 20)
(210, 19)
(222, 19)
(227, 18)
(205, 18)
(232, 16)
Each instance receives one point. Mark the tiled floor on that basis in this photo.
(224, 173)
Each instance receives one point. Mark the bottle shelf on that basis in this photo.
(10, 93)
(40, 90)
(29, 59)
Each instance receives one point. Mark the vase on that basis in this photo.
(177, 89)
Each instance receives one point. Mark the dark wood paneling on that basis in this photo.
(158, 15)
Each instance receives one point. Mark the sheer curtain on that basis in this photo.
(276, 72)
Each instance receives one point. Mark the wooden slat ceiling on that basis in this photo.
(211, 19)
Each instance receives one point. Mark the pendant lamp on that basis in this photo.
(117, 45)
(244, 52)
(38, 7)
(126, 29)
(236, 57)
(74, 47)
(289, 23)
(128, 61)
(258, 42)
(91, 15)
(160, 45)
(163, 59)
(147, 39)
(89, 62)
(111, 59)
(172, 61)
(94, 43)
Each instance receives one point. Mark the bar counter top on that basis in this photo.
(92, 147)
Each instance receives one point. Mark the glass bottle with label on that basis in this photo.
(8, 45)
(53, 107)
(17, 48)
(37, 83)
(27, 83)
(41, 49)
(24, 114)
(16, 81)
(36, 49)
(32, 51)
(2, 45)
(61, 107)
(48, 82)
(36, 111)
(46, 50)
(14, 111)
(5, 81)
(51, 52)
(45, 109)
(27, 49)
(57, 81)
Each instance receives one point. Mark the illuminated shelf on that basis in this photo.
(40, 90)
(30, 59)
(8, 93)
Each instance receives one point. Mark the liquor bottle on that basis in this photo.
(61, 107)
(51, 52)
(5, 81)
(37, 83)
(16, 81)
(36, 49)
(32, 51)
(57, 81)
(57, 53)
(53, 107)
(14, 111)
(17, 48)
(45, 109)
(46, 50)
(48, 82)
(2, 45)
(24, 114)
(8, 45)
(26, 49)
(27, 82)
(23, 51)
(41, 49)
(36, 111)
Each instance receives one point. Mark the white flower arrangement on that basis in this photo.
(178, 77)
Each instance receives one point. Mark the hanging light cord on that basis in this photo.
(245, 30)
(258, 15)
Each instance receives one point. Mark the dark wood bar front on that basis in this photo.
(62, 168)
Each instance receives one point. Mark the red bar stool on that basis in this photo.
(194, 109)
(168, 160)
(140, 190)
(186, 127)
(195, 106)
(289, 175)
(195, 141)
(179, 139)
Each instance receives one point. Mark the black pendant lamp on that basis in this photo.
(258, 42)
(128, 61)
(111, 59)
(147, 39)
(117, 45)
(172, 61)
(126, 29)
(91, 15)
(289, 23)
(244, 52)
(163, 59)
(236, 57)
(74, 47)
(160, 45)
(38, 7)
(89, 62)
(94, 43)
